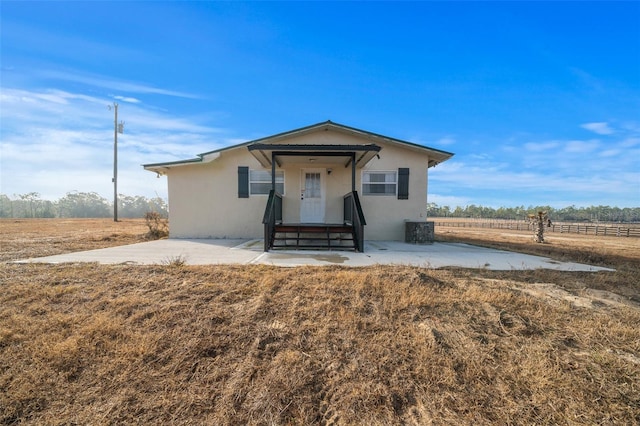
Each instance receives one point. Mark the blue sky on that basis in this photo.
(540, 101)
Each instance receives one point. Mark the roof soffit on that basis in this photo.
(306, 154)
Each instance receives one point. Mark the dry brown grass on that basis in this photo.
(24, 238)
(601, 250)
(620, 253)
(91, 344)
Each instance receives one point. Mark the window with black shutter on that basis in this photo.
(403, 184)
(243, 182)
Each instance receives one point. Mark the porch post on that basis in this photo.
(353, 171)
(273, 172)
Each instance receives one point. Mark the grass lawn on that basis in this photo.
(175, 344)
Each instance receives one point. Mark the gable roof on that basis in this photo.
(436, 156)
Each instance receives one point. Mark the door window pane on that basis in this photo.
(312, 185)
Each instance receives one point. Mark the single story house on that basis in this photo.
(320, 185)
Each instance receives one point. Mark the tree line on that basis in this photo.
(78, 205)
(90, 205)
(566, 214)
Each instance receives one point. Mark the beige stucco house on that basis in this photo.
(325, 181)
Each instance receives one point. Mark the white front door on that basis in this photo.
(312, 200)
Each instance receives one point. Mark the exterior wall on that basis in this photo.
(204, 203)
(204, 199)
(385, 214)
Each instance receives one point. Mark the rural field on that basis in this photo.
(260, 345)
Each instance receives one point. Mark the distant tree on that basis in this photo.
(46, 209)
(6, 206)
(132, 206)
(433, 210)
(83, 204)
(19, 206)
(138, 206)
(31, 199)
(629, 214)
(159, 205)
(504, 213)
(458, 212)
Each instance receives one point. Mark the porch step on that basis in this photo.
(313, 237)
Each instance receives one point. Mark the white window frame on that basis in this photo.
(381, 194)
(279, 173)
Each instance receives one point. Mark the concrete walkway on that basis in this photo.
(227, 252)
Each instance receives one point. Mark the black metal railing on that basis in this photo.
(354, 216)
(272, 215)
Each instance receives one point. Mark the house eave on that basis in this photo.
(435, 156)
(162, 168)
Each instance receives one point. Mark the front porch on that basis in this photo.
(310, 230)
(348, 235)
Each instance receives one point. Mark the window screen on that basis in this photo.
(260, 182)
(379, 183)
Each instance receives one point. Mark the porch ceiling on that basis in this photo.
(313, 154)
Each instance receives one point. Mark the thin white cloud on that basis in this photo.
(630, 142)
(610, 152)
(601, 128)
(55, 96)
(541, 146)
(446, 141)
(448, 200)
(113, 84)
(57, 43)
(516, 186)
(480, 156)
(127, 99)
(581, 147)
(55, 141)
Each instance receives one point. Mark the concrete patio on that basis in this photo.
(232, 251)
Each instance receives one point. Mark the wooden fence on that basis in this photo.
(566, 228)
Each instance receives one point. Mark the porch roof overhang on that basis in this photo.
(307, 154)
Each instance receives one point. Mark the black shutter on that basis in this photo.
(243, 182)
(403, 184)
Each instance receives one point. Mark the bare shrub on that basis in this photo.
(175, 261)
(157, 224)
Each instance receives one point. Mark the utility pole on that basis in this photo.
(117, 128)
